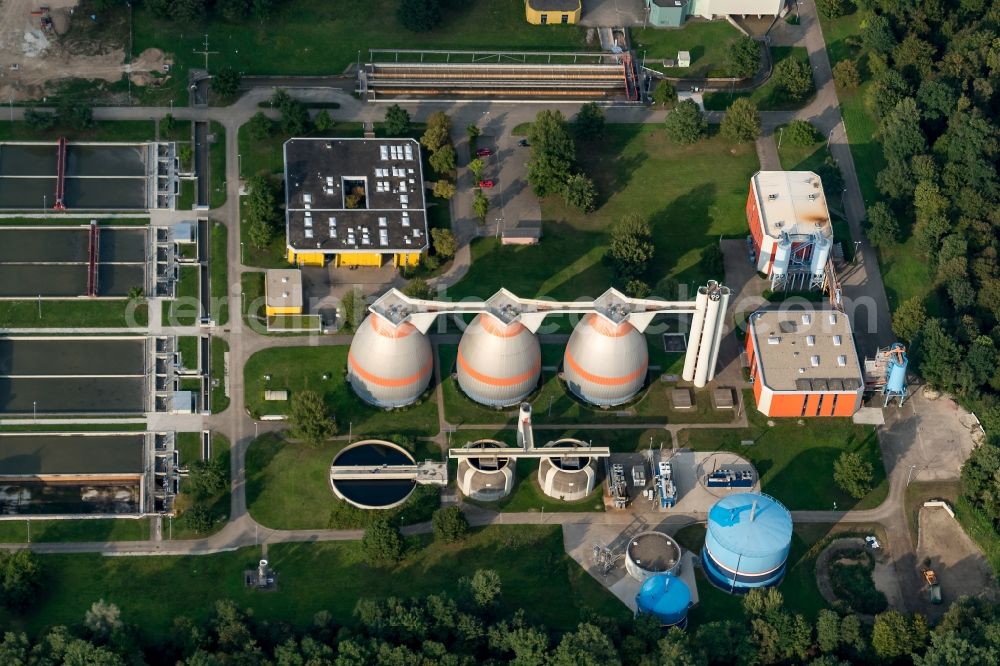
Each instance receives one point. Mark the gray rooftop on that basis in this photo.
(554, 5)
(320, 175)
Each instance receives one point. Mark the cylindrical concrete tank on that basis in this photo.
(498, 364)
(650, 553)
(567, 478)
(605, 363)
(489, 478)
(782, 253)
(820, 255)
(373, 493)
(746, 542)
(667, 598)
(896, 374)
(389, 365)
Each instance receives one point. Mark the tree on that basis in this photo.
(741, 122)
(226, 82)
(323, 122)
(580, 193)
(450, 524)
(476, 166)
(883, 228)
(102, 619)
(39, 121)
(207, 477)
(445, 243)
(800, 133)
(77, 115)
(480, 205)
(553, 153)
(473, 132)
(742, 57)
(853, 474)
(137, 293)
(664, 94)
(909, 318)
(589, 121)
(443, 159)
(794, 78)
(261, 211)
(885, 92)
(382, 543)
(828, 630)
(20, 579)
(311, 421)
(914, 57)
(845, 75)
(900, 132)
(832, 9)
(397, 120)
(168, 124)
(418, 288)
(895, 635)
(631, 246)
(939, 355)
(443, 189)
(235, 10)
(294, 117)
(686, 123)
(937, 99)
(438, 131)
(587, 646)
(259, 233)
(637, 289)
(419, 15)
(877, 35)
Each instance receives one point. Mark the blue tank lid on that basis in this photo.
(750, 524)
(665, 596)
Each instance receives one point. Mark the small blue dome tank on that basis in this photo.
(666, 597)
(896, 380)
(747, 542)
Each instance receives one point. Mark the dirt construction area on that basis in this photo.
(34, 53)
(957, 561)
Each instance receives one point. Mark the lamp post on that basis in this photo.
(34, 410)
(780, 131)
(828, 139)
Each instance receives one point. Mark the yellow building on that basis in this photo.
(283, 292)
(354, 202)
(552, 12)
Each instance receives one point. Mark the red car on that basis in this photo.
(486, 184)
(484, 152)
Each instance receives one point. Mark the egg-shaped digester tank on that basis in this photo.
(499, 363)
(605, 363)
(747, 540)
(389, 365)
(665, 597)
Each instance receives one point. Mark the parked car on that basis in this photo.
(523, 143)
(872, 542)
(484, 152)
(486, 184)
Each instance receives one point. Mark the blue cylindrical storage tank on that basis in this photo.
(666, 597)
(896, 381)
(746, 542)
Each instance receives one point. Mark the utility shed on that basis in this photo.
(680, 398)
(283, 292)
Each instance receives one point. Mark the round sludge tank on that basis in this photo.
(389, 365)
(372, 493)
(666, 597)
(567, 478)
(605, 362)
(489, 478)
(651, 553)
(499, 364)
(746, 542)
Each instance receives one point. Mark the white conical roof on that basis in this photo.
(389, 365)
(498, 364)
(605, 362)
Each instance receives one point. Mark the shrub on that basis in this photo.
(450, 524)
(800, 133)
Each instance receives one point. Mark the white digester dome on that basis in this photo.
(605, 362)
(498, 364)
(389, 365)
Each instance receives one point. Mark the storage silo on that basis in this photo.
(567, 478)
(499, 363)
(747, 542)
(651, 553)
(665, 597)
(605, 362)
(489, 478)
(389, 364)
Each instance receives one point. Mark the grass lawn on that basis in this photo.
(705, 40)
(217, 503)
(299, 368)
(321, 576)
(76, 313)
(271, 256)
(795, 462)
(183, 309)
(219, 273)
(769, 97)
(217, 376)
(252, 290)
(265, 156)
(187, 345)
(185, 198)
(99, 529)
(628, 166)
(180, 133)
(103, 130)
(217, 164)
(189, 447)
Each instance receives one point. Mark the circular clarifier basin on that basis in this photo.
(374, 493)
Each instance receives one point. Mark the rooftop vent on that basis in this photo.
(772, 197)
(837, 340)
(807, 319)
(812, 197)
(814, 361)
(833, 317)
(842, 361)
(811, 340)
(773, 339)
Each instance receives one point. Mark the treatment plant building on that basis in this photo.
(355, 202)
(803, 363)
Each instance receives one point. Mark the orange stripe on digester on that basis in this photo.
(385, 381)
(499, 381)
(494, 326)
(605, 381)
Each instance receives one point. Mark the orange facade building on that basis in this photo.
(804, 363)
